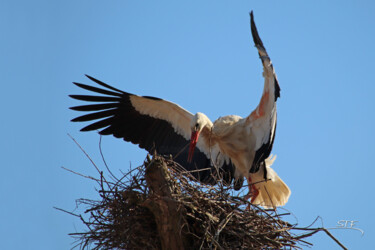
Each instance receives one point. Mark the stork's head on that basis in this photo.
(197, 124)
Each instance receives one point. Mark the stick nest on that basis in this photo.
(205, 217)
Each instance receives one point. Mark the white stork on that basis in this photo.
(230, 148)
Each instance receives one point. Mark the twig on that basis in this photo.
(314, 231)
(88, 157)
(60, 209)
(104, 161)
(85, 176)
(336, 240)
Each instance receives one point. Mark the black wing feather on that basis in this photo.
(94, 107)
(95, 116)
(90, 98)
(97, 90)
(98, 125)
(104, 84)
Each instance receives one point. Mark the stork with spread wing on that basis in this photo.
(230, 148)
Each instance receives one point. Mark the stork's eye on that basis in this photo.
(196, 126)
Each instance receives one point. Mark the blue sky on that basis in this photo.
(198, 54)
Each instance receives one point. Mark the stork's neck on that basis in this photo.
(206, 122)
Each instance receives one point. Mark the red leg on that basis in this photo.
(253, 191)
(254, 194)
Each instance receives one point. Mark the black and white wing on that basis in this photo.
(264, 118)
(152, 123)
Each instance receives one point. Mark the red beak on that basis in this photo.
(193, 142)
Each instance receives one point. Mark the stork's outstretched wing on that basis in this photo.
(152, 123)
(264, 118)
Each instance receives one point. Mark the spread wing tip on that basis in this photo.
(263, 53)
(254, 32)
(104, 84)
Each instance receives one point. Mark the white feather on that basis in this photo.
(274, 192)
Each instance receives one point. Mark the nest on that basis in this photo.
(159, 206)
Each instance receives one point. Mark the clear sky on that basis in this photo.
(200, 55)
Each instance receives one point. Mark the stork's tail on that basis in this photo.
(274, 192)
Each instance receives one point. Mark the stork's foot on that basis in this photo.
(253, 193)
